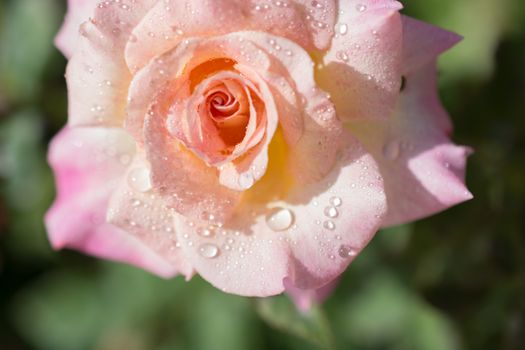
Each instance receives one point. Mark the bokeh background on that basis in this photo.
(453, 281)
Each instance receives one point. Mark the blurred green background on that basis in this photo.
(453, 281)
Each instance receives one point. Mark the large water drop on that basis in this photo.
(280, 219)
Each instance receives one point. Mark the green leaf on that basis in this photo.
(280, 313)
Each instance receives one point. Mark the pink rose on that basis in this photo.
(260, 144)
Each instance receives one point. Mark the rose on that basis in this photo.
(260, 144)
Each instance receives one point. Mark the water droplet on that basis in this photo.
(139, 179)
(361, 7)
(246, 181)
(342, 56)
(343, 28)
(207, 216)
(392, 150)
(280, 219)
(206, 231)
(345, 251)
(208, 251)
(331, 212)
(329, 225)
(316, 4)
(336, 201)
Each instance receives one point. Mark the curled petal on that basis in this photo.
(242, 173)
(170, 72)
(88, 164)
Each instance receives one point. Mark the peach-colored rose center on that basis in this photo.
(224, 114)
(229, 113)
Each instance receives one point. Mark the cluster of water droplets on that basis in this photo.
(342, 30)
(332, 212)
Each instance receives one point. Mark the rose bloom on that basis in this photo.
(260, 144)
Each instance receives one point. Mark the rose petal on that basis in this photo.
(97, 75)
(241, 174)
(143, 214)
(424, 171)
(78, 12)
(306, 245)
(422, 43)
(208, 143)
(168, 23)
(88, 163)
(362, 68)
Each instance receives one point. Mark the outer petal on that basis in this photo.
(308, 23)
(423, 170)
(362, 69)
(247, 257)
(422, 43)
(78, 12)
(143, 214)
(88, 163)
(97, 75)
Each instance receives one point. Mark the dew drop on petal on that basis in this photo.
(208, 251)
(342, 56)
(343, 28)
(345, 251)
(280, 219)
(139, 179)
(361, 7)
(331, 212)
(336, 201)
(246, 181)
(329, 225)
(206, 231)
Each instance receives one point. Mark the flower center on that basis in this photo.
(226, 106)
